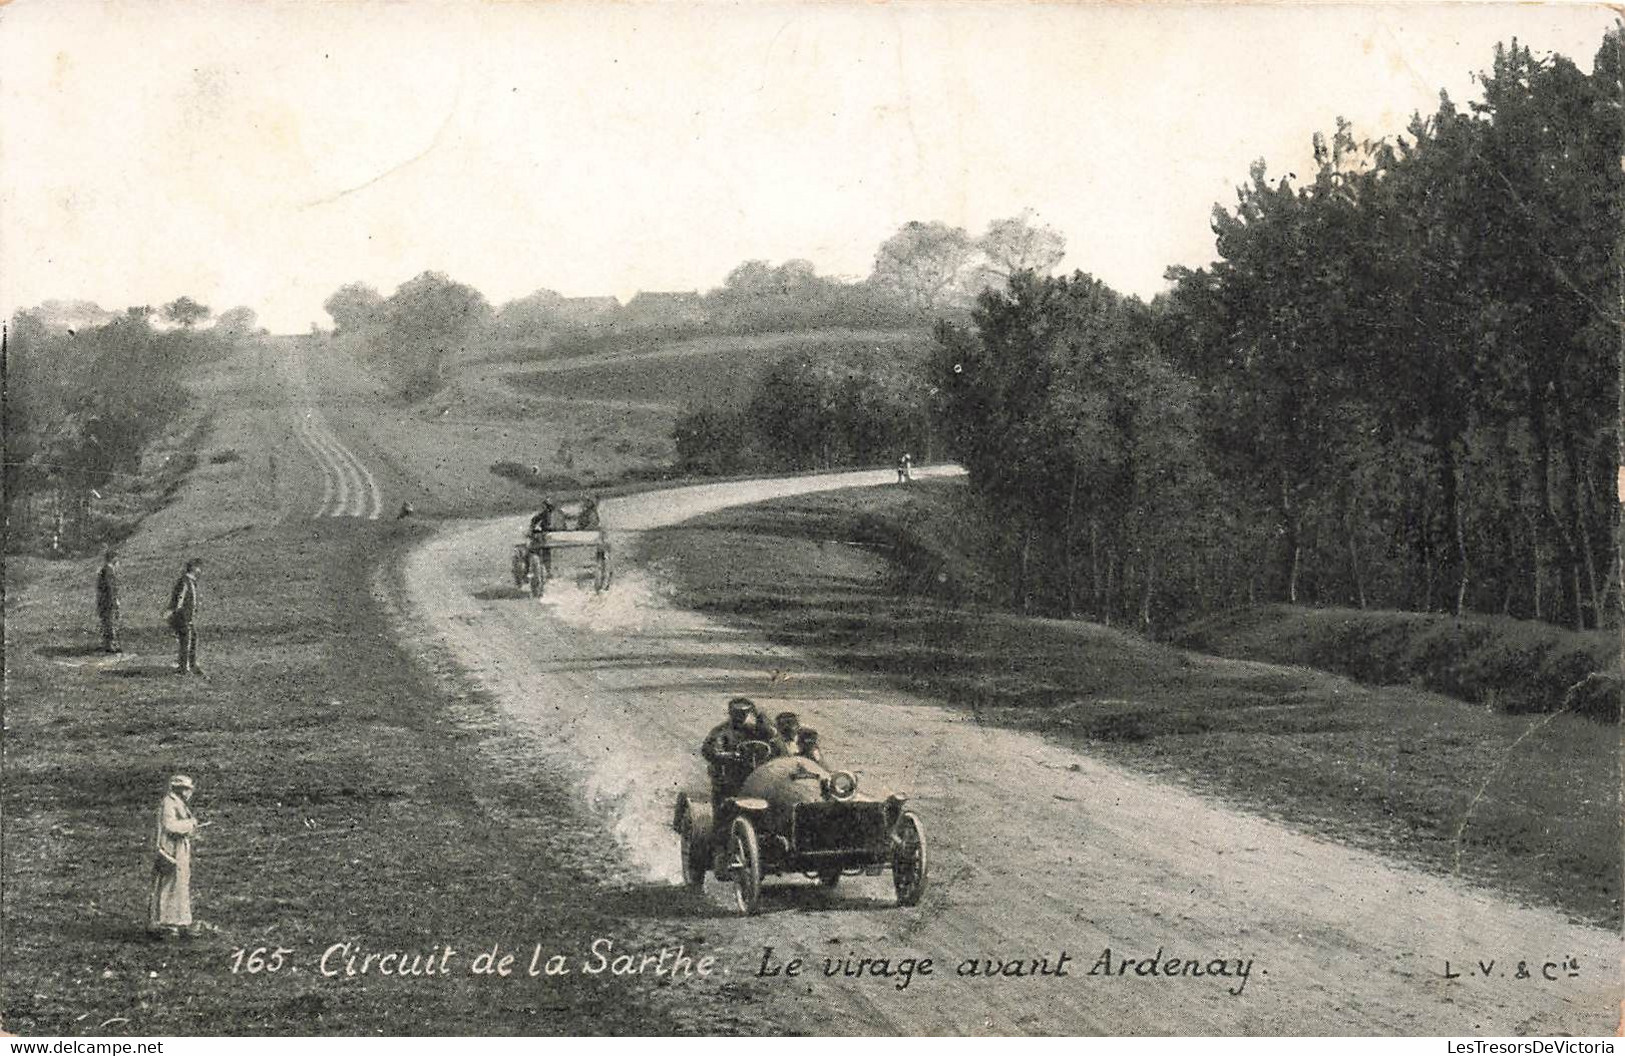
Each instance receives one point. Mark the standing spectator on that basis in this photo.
(107, 607)
(169, 909)
(905, 468)
(183, 602)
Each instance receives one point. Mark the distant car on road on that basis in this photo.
(570, 526)
(793, 815)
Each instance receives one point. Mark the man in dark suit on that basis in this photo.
(107, 607)
(721, 748)
(183, 604)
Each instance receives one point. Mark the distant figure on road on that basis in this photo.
(183, 604)
(905, 468)
(169, 909)
(406, 511)
(107, 606)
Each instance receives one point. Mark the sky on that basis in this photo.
(267, 154)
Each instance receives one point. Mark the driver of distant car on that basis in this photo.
(543, 519)
(721, 747)
(540, 524)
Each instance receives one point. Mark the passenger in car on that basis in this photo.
(788, 725)
(807, 745)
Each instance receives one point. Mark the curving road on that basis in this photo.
(1037, 850)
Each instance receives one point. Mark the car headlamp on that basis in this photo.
(842, 785)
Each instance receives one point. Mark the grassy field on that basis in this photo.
(356, 794)
(1524, 804)
(348, 803)
(711, 371)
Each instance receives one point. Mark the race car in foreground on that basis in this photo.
(792, 815)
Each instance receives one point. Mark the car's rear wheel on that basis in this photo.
(538, 576)
(745, 865)
(604, 573)
(908, 860)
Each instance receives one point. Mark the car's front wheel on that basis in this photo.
(908, 862)
(694, 856)
(745, 865)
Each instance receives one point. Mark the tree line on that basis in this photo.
(924, 268)
(849, 406)
(1398, 385)
(87, 391)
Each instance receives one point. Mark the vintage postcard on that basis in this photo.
(811, 518)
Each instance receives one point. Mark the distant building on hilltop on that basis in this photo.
(586, 310)
(665, 308)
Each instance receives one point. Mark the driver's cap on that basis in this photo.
(741, 706)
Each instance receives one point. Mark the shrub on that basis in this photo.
(1518, 666)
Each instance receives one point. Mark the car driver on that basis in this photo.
(543, 520)
(721, 747)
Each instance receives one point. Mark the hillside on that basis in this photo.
(704, 371)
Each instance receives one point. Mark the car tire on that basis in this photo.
(745, 864)
(908, 860)
(695, 857)
(538, 576)
(829, 878)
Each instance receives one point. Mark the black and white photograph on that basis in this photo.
(811, 518)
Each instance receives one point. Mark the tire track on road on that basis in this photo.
(333, 485)
(364, 499)
(349, 488)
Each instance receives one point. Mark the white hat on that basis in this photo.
(180, 781)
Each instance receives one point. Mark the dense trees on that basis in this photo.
(353, 306)
(426, 322)
(185, 312)
(1397, 385)
(88, 391)
(414, 334)
(932, 266)
(841, 407)
(1016, 244)
(1080, 437)
(237, 322)
(924, 264)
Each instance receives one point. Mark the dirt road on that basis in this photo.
(1038, 852)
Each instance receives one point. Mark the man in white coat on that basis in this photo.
(170, 907)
